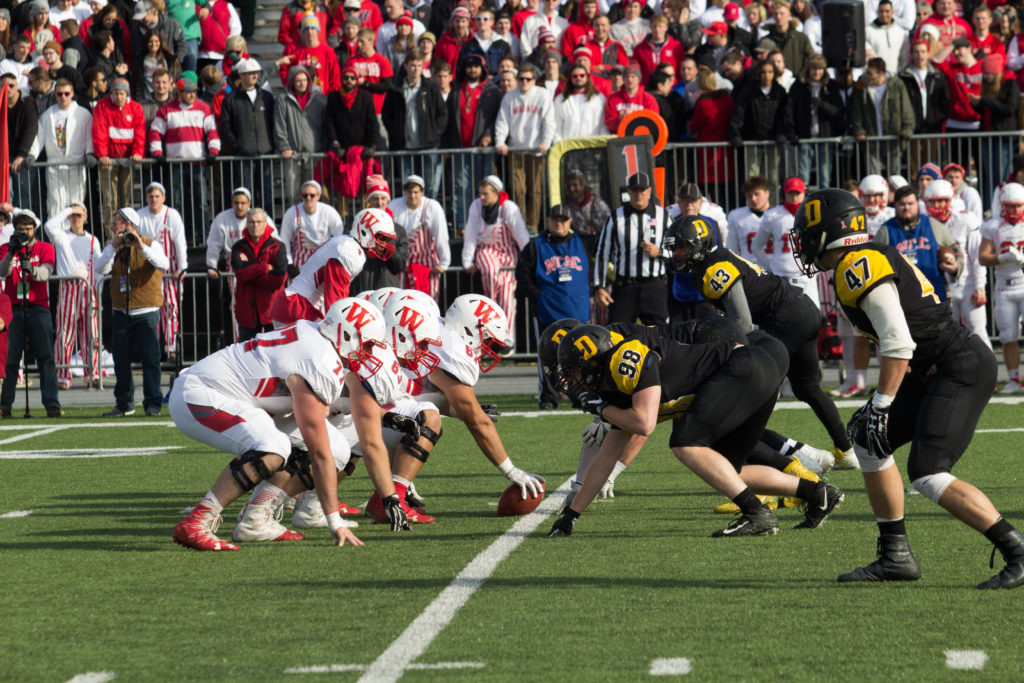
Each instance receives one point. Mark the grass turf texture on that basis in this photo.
(93, 581)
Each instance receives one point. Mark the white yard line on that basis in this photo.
(105, 424)
(31, 435)
(966, 659)
(675, 666)
(343, 668)
(93, 677)
(16, 513)
(400, 655)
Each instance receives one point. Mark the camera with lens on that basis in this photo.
(129, 238)
(19, 240)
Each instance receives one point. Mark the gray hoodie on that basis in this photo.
(295, 129)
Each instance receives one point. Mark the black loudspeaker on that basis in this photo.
(842, 33)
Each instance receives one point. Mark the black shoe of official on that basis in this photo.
(895, 562)
(760, 523)
(1011, 545)
(5, 412)
(548, 405)
(820, 505)
(54, 411)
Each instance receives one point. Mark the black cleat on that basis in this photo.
(760, 523)
(820, 505)
(895, 562)
(1011, 545)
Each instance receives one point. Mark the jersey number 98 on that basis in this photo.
(628, 365)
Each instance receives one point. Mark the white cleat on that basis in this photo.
(815, 459)
(786, 390)
(846, 460)
(258, 523)
(309, 514)
(1012, 387)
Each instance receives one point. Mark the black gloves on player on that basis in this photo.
(393, 509)
(491, 410)
(876, 428)
(591, 402)
(563, 526)
(401, 423)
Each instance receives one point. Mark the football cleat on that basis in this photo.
(731, 508)
(786, 390)
(1012, 387)
(853, 392)
(820, 505)
(846, 460)
(796, 468)
(257, 523)
(1012, 574)
(815, 459)
(309, 514)
(413, 497)
(760, 523)
(895, 562)
(198, 530)
(375, 509)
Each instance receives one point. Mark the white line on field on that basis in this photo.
(105, 424)
(966, 659)
(56, 453)
(31, 435)
(15, 513)
(399, 656)
(93, 677)
(342, 668)
(671, 667)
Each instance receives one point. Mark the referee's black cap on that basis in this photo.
(638, 181)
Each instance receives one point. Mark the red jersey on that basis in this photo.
(374, 69)
(620, 104)
(19, 287)
(963, 82)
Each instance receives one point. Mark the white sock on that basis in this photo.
(264, 493)
(210, 501)
(617, 470)
(860, 378)
(1014, 374)
(400, 480)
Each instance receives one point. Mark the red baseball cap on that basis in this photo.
(794, 185)
(717, 28)
(731, 12)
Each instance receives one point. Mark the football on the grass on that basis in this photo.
(512, 502)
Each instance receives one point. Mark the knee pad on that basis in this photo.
(242, 477)
(868, 463)
(933, 485)
(350, 466)
(298, 465)
(415, 450)
(305, 473)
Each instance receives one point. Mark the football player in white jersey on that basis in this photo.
(327, 275)
(744, 221)
(227, 401)
(1002, 247)
(873, 192)
(774, 230)
(471, 340)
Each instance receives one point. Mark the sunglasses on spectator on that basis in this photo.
(579, 75)
(350, 78)
(352, 9)
(63, 94)
(309, 195)
(527, 78)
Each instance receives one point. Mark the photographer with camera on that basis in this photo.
(136, 295)
(26, 265)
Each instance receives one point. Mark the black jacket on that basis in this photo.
(1001, 109)
(76, 45)
(450, 135)
(22, 126)
(247, 127)
(355, 126)
(430, 112)
(377, 273)
(798, 111)
(937, 90)
(756, 116)
(486, 114)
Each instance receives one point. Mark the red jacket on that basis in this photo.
(963, 83)
(288, 32)
(620, 104)
(260, 272)
(648, 56)
(118, 133)
(711, 124)
(321, 61)
(215, 27)
(6, 314)
(990, 45)
(448, 47)
(607, 55)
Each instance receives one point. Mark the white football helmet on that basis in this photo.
(375, 232)
(481, 323)
(1011, 203)
(938, 197)
(365, 294)
(413, 325)
(379, 297)
(354, 327)
(874, 193)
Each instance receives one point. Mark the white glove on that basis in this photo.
(1012, 255)
(608, 490)
(595, 432)
(525, 481)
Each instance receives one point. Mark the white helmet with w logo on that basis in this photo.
(375, 232)
(481, 323)
(355, 326)
(413, 321)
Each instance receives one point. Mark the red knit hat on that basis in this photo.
(376, 183)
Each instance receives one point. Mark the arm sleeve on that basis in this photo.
(470, 235)
(337, 282)
(882, 236)
(882, 307)
(55, 228)
(154, 253)
(214, 246)
(102, 264)
(287, 230)
(514, 218)
(735, 302)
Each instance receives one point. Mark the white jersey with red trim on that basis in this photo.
(388, 385)
(457, 362)
(257, 371)
(1004, 235)
(878, 220)
(962, 228)
(777, 252)
(310, 282)
(742, 228)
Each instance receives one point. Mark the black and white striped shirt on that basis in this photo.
(619, 244)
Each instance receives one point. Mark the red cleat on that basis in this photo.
(346, 509)
(375, 509)
(197, 531)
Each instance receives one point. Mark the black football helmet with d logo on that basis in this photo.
(700, 232)
(583, 349)
(547, 350)
(827, 219)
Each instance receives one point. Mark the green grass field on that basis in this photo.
(93, 583)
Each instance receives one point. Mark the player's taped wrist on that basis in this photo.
(333, 520)
(506, 467)
(881, 401)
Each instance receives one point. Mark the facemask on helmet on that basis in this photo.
(413, 327)
(375, 232)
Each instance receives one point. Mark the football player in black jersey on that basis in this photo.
(719, 397)
(935, 379)
(750, 295)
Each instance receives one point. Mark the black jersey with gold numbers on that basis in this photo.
(861, 269)
(766, 293)
(679, 369)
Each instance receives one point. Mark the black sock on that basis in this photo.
(896, 527)
(998, 530)
(762, 454)
(747, 502)
(805, 489)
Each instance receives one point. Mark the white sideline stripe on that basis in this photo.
(31, 435)
(398, 657)
(966, 659)
(15, 513)
(343, 668)
(57, 453)
(121, 422)
(93, 677)
(671, 667)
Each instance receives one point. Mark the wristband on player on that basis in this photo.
(881, 401)
(334, 520)
(506, 466)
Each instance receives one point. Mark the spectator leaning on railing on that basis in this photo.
(118, 139)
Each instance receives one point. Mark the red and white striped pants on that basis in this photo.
(170, 317)
(499, 284)
(76, 322)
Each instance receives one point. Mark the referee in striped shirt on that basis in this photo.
(631, 243)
